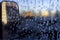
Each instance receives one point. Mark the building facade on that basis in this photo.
(10, 12)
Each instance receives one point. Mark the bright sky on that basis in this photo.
(38, 5)
(0, 0)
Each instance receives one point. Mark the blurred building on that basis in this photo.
(10, 12)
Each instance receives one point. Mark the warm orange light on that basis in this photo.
(45, 13)
(29, 14)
